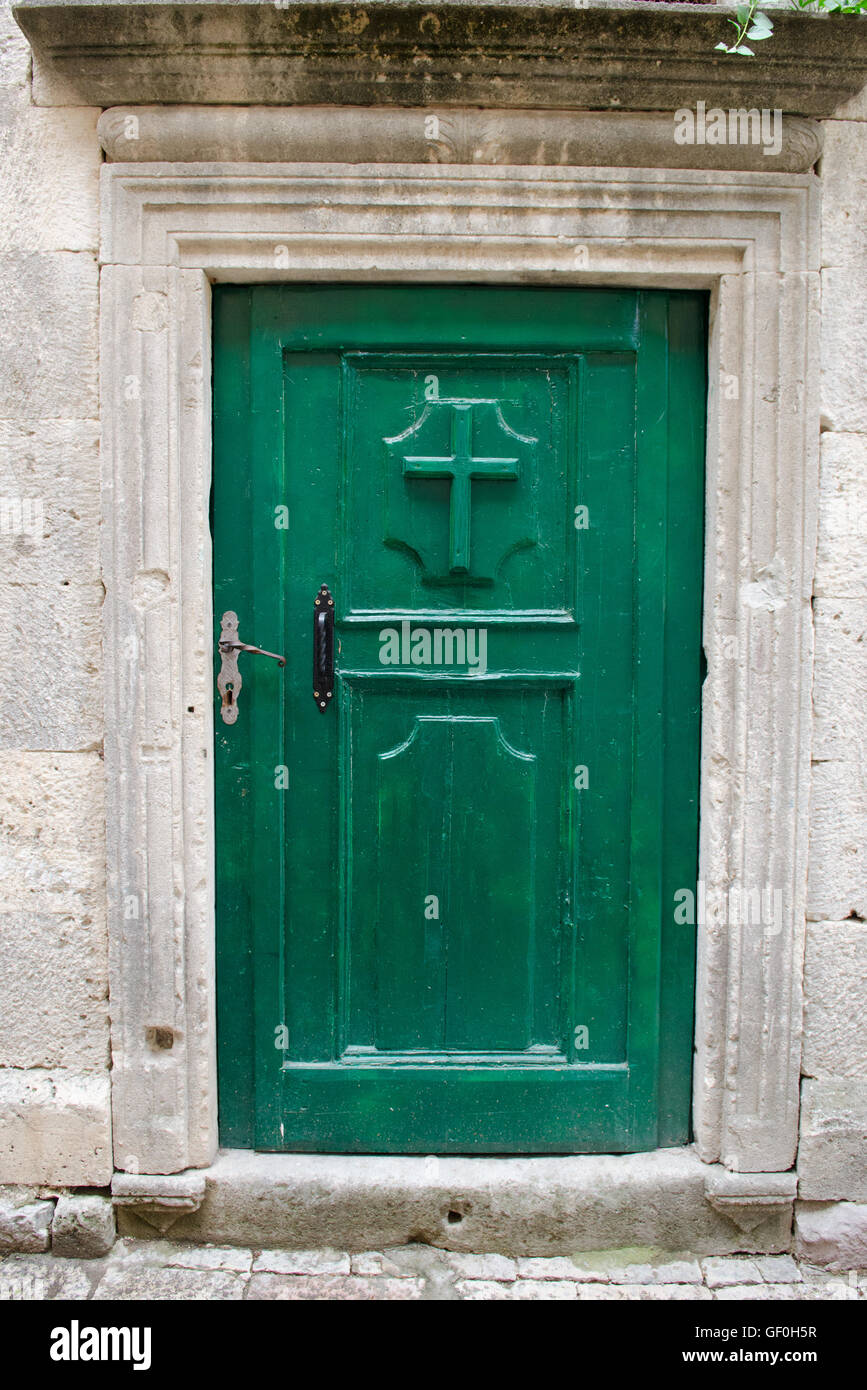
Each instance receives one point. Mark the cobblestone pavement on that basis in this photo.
(162, 1269)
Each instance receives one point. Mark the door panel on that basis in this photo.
(445, 904)
(407, 535)
(457, 808)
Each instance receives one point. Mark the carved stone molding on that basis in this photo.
(632, 56)
(750, 1199)
(751, 240)
(159, 1201)
(371, 135)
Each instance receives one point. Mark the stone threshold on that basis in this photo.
(667, 1200)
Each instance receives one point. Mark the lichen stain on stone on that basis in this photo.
(348, 23)
(429, 23)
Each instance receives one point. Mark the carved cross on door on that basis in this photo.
(461, 468)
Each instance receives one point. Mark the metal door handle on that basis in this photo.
(323, 648)
(227, 647)
(229, 680)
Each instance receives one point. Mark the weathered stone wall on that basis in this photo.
(832, 1160)
(54, 1089)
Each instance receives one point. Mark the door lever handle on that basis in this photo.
(227, 647)
(229, 680)
(323, 648)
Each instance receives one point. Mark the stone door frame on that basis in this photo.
(171, 229)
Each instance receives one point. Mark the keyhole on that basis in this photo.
(229, 694)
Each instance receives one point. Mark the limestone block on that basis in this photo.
(835, 1000)
(630, 1293)
(778, 1269)
(837, 878)
(832, 1156)
(212, 1257)
(840, 681)
(83, 1226)
(54, 1128)
(51, 833)
(766, 1293)
(833, 1234)
(49, 176)
(853, 109)
(722, 1273)
(492, 1266)
(49, 478)
(331, 1288)
(16, 1194)
(841, 558)
(302, 1262)
(53, 967)
(560, 1267)
(26, 1226)
(48, 336)
(53, 692)
(53, 991)
(658, 1272)
(176, 1285)
(844, 348)
(844, 193)
(40, 1277)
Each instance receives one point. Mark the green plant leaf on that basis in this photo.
(754, 24)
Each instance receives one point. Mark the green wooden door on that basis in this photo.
(445, 916)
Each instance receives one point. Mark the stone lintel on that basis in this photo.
(460, 135)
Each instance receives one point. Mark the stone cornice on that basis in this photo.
(394, 135)
(639, 56)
